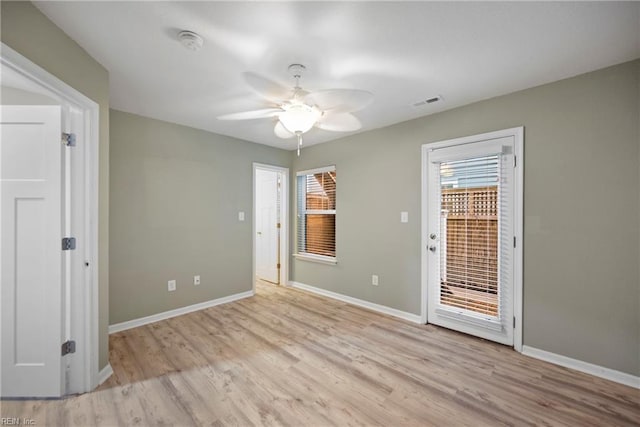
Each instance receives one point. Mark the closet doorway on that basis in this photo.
(270, 223)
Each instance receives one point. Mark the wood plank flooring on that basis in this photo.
(287, 357)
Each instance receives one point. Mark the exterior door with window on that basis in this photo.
(470, 237)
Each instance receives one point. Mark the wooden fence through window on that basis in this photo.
(469, 250)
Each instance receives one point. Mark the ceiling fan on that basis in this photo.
(298, 111)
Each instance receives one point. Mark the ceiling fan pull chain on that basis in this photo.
(299, 134)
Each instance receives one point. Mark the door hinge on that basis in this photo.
(514, 322)
(68, 243)
(278, 225)
(514, 241)
(69, 139)
(68, 347)
(278, 266)
(515, 161)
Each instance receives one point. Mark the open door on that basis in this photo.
(268, 225)
(32, 256)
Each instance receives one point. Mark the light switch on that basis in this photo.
(240, 216)
(404, 216)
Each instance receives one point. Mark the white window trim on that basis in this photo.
(331, 168)
(316, 258)
(304, 256)
(320, 211)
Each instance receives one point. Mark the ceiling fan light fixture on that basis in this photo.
(299, 118)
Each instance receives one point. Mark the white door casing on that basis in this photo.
(32, 261)
(267, 231)
(283, 216)
(439, 302)
(79, 302)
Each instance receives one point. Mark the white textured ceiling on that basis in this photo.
(403, 52)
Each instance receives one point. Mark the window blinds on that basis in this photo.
(470, 233)
(316, 220)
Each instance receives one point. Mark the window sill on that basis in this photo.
(316, 258)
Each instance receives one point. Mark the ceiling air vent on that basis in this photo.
(431, 100)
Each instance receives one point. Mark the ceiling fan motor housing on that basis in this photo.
(190, 40)
(297, 70)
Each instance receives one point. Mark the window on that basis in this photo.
(316, 215)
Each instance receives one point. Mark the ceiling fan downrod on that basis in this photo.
(296, 71)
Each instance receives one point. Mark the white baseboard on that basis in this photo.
(104, 374)
(579, 365)
(129, 324)
(415, 318)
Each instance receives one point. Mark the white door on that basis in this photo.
(470, 237)
(31, 229)
(267, 225)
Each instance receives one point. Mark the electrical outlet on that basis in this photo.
(171, 285)
(240, 216)
(374, 280)
(196, 280)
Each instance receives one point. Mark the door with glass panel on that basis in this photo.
(470, 240)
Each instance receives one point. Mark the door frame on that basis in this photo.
(518, 134)
(83, 367)
(284, 222)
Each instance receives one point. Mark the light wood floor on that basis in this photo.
(286, 357)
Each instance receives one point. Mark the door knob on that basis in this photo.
(432, 236)
(432, 248)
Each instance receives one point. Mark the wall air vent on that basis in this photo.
(430, 100)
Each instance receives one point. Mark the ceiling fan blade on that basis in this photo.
(339, 122)
(340, 100)
(281, 131)
(249, 115)
(268, 89)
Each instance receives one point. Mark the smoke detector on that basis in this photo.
(190, 40)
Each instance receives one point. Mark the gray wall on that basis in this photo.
(26, 30)
(175, 197)
(581, 242)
